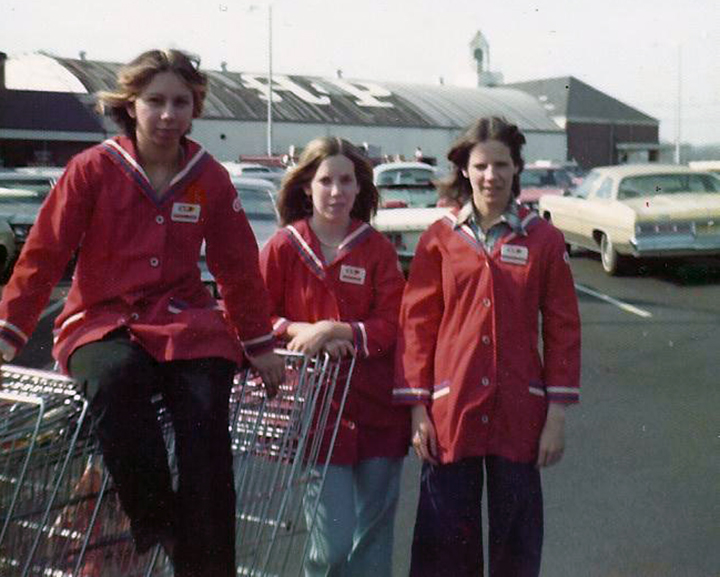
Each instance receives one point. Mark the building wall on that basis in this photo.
(591, 144)
(227, 140)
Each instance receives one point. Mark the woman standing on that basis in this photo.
(485, 402)
(138, 319)
(335, 285)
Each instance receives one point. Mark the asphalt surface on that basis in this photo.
(638, 491)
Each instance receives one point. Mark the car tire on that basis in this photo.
(612, 263)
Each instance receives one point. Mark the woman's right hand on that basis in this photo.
(271, 368)
(424, 440)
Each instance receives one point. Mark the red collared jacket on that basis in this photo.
(137, 260)
(469, 337)
(363, 287)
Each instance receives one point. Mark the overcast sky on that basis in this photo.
(630, 49)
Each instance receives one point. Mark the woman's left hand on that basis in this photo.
(552, 438)
(310, 338)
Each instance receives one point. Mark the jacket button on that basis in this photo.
(160, 219)
(485, 340)
(154, 262)
(486, 302)
(134, 316)
(351, 425)
(485, 381)
(484, 419)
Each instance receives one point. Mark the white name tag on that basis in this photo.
(185, 212)
(352, 274)
(514, 254)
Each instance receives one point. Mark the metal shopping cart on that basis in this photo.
(59, 512)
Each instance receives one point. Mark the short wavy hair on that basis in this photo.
(293, 202)
(133, 77)
(456, 188)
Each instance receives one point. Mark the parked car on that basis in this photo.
(644, 210)
(253, 170)
(403, 226)
(705, 165)
(406, 184)
(18, 210)
(258, 200)
(541, 178)
(38, 179)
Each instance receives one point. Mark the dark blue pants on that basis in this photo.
(448, 528)
(120, 378)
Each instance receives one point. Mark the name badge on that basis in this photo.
(352, 274)
(514, 254)
(185, 212)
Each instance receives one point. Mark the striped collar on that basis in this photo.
(122, 151)
(512, 217)
(307, 243)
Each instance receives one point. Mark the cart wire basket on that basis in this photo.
(59, 512)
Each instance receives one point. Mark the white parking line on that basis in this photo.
(621, 305)
(52, 308)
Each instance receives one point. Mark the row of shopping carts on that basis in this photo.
(60, 515)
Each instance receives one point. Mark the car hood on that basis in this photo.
(676, 206)
(407, 219)
(531, 194)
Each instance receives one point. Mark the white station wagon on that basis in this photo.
(647, 210)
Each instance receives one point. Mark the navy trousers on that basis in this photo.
(120, 378)
(448, 528)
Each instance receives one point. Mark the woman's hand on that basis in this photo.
(271, 368)
(338, 348)
(424, 440)
(310, 338)
(552, 438)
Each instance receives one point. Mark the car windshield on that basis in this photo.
(257, 203)
(668, 183)
(543, 177)
(405, 176)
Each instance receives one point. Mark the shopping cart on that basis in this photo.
(60, 514)
(281, 446)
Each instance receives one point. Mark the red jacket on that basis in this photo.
(468, 344)
(137, 263)
(363, 287)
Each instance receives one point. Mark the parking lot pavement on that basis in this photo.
(636, 493)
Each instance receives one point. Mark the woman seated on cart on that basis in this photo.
(138, 319)
(335, 285)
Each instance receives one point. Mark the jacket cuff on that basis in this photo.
(360, 339)
(410, 396)
(563, 395)
(259, 346)
(12, 340)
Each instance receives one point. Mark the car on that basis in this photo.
(403, 226)
(406, 184)
(705, 165)
(257, 197)
(38, 179)
(541, 178)
(254, 170)
(18, 210)
(640, 211)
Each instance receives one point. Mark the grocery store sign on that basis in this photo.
(367, 94)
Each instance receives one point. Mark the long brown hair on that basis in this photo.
(293, 204)
(456, 187)
(133, 77)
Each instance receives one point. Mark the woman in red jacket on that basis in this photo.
(335, 285)
(138, 319)
(485, 402)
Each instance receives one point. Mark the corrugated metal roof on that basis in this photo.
(311, 99)
(577, 101)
